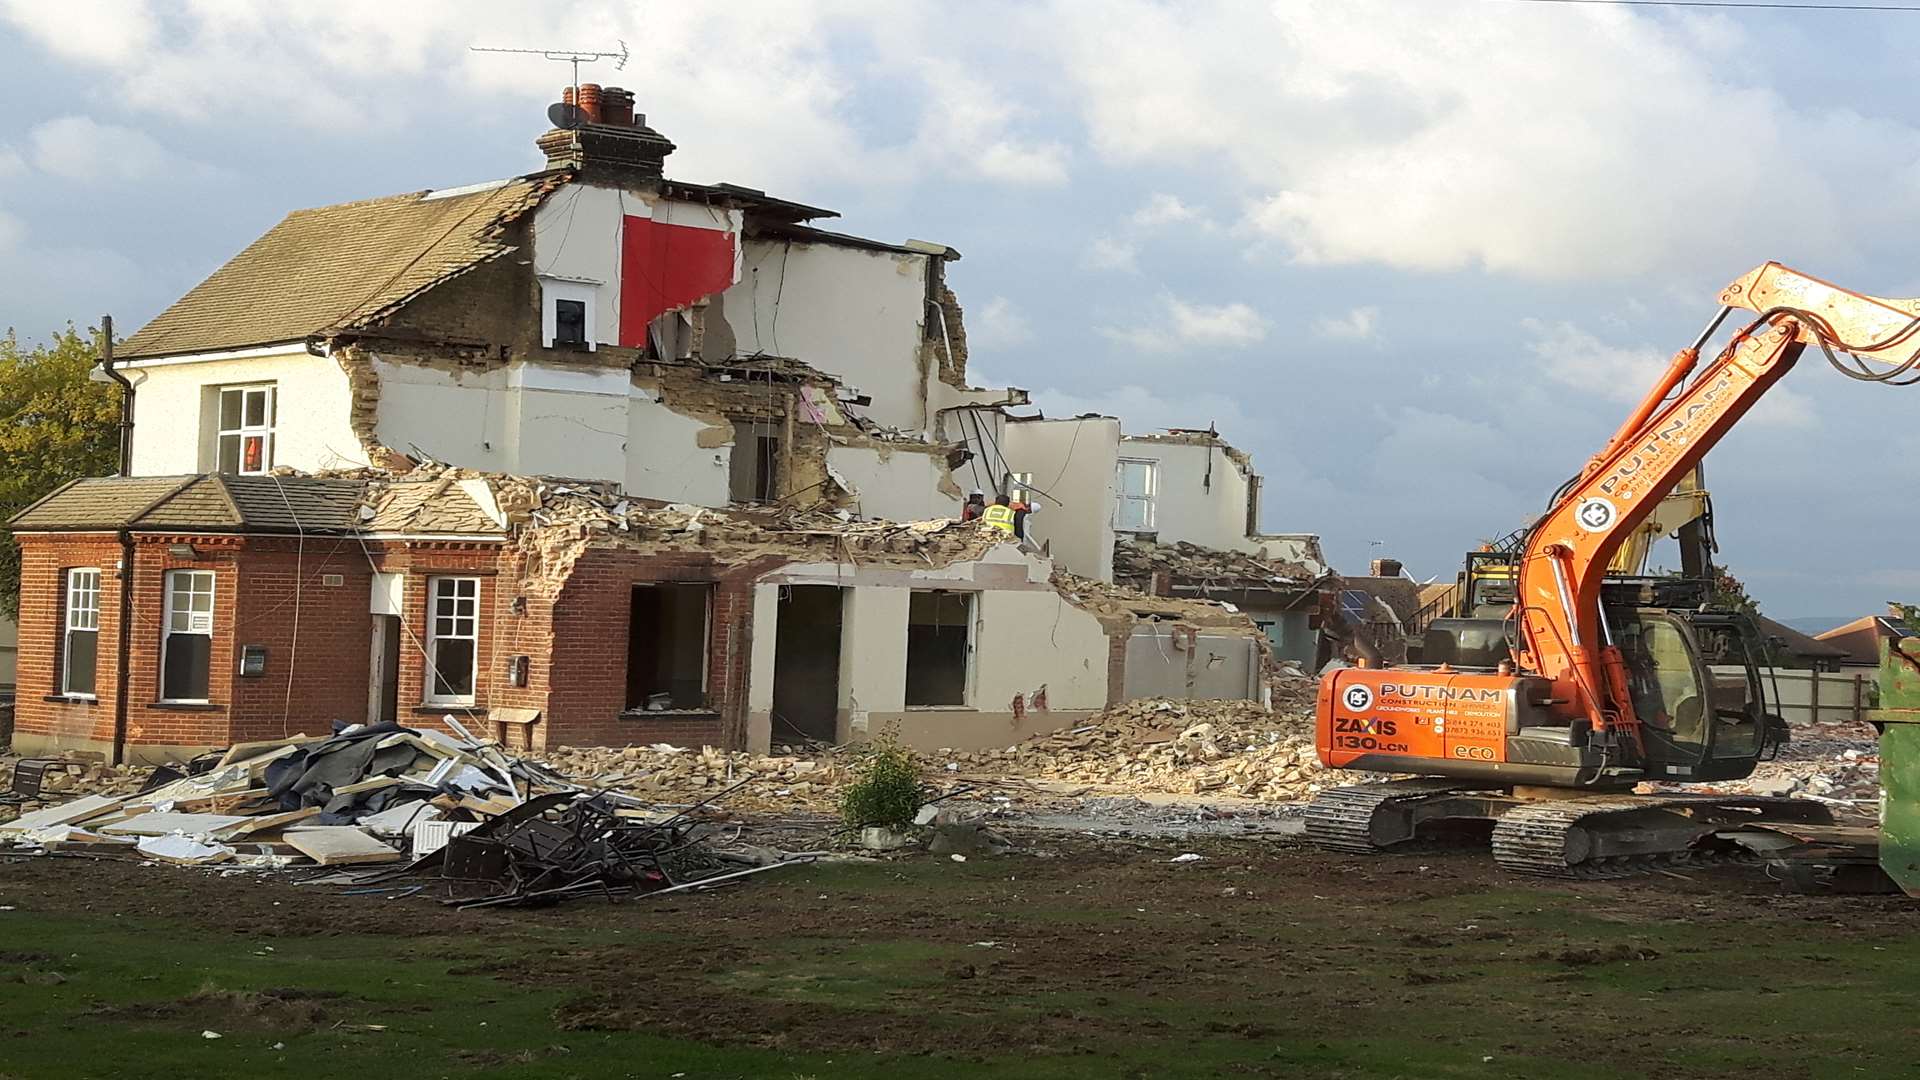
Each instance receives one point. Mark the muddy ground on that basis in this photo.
(1074, 956)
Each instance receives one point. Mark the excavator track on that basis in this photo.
(1581, 836)
(1619, 836)
(1344, 818)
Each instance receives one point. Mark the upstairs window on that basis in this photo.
(80, 640)
(1137, 484)
(570, 323)
(567, 313)
(246, 429)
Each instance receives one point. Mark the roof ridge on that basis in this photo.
(182, 486)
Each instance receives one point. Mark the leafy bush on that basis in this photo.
(886, 786)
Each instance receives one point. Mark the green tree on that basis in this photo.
(55, 425)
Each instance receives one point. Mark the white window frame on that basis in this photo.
(1148, 499)
(81, 612)
(435, 634)
(552, 289)
(168, 632)
(245, 431)
(1019, 486)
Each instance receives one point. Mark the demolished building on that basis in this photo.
(597, 456)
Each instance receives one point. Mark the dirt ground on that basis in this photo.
(1074, 956)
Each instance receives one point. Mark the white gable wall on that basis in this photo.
(176, 410)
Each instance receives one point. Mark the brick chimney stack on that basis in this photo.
(612, 142)
(1386, 568)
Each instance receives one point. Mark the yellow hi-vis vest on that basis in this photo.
(1000, 517)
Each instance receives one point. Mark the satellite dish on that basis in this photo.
(563, 115)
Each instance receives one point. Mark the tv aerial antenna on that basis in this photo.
(576, 57)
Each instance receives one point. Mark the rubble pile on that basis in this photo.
(663, 772)
(1829, 761)
(498, 829)
(1125, 604)
(1220, 748)
(1139, 561)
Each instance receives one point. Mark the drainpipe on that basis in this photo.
(126, 394)
(121, 667)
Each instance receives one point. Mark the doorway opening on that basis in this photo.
(806, 663)
(667, 634)
(939, 647)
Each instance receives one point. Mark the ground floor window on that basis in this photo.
(667, 637)
(453, 638)
(80, 641)
(939, 647)
(186, 654)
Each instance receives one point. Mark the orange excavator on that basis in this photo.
(1538, 727)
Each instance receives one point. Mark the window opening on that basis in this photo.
(667, 647)
(939, 647)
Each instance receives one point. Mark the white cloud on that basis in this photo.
(1623, 375)
(1143, 410)
(1108, 253)
(83, 149)
(1163, 209)
(1359, 324)
(997, 324)
(1181, 325)
(1535, 141)
(11, 163)
(968, 123)
(99, 31)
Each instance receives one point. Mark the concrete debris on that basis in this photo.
(1140, 562)
(1123, 605)
(1829, 761)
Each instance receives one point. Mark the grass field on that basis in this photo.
(1078, 962)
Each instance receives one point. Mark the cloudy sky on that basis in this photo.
(1418, 256)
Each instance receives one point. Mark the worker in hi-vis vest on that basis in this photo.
(1000, 514)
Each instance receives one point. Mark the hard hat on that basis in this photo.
(977, 491)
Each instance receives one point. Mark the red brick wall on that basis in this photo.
(43, 562)
(588, 679)
(576, 641)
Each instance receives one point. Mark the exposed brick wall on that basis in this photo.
(576, 640)
(587, 680)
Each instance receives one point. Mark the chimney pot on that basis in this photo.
(616, 106)
(589, 101)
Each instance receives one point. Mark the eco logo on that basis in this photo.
(1594, 514)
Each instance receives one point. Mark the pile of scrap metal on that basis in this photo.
(570, 843)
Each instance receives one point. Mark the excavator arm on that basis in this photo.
(1563, 633)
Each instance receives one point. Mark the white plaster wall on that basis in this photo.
(852, 313)
(664, 459)
(899, 485)
(576, 235)
(1026, 639)
(1074, 461)
(460, 416)
(873, 654)
(1185, 507)
(175, 422)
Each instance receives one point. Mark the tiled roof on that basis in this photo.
(216, 502)
(338, 267)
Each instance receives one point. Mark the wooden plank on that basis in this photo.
(85, 808)
(340, 845)
(159, 824)
(374, 784)
(221, 804)
(264, 822)
(249, 751)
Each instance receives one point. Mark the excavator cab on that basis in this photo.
(1695, 678)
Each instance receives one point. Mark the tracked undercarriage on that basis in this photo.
(1577, 835)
